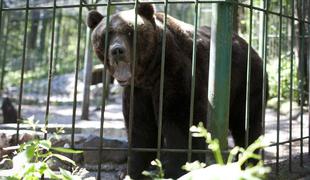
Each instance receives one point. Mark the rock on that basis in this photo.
(6, 164)
(22, 138)
(114, 156)
(26, 137)
(4, 142)
(91, 175)
(55, 164)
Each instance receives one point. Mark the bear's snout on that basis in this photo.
(117, 51)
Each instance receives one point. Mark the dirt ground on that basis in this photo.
(60, 115)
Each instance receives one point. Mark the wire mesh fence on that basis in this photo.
(46, 39)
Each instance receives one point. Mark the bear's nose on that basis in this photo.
(117, 51)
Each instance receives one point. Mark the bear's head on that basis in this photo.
(120, 44)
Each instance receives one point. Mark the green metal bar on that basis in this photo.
(279, 91)
(248, 81)
(162, 78)
(291, 85)
(219, 71)
(50, 71)
(132, 87)
(104, 92)
(21, 87)
(193, 82)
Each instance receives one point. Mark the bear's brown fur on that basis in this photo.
(177, 83)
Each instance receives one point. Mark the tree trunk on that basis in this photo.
(4, 43)
(236, 20)
(302, 46)
(88, 60)
(32, 36)
(58, 26)
(42, 36)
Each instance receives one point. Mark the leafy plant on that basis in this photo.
(222, 170)
(285, 78)
(156, 175)
(31, 160)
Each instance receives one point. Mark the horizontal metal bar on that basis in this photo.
(160, 2)
(147, 150)
(175, 150)
(285, 142)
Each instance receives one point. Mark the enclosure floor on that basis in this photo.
(61, 116)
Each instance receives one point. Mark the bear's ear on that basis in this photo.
(146, 10)
(93, 19)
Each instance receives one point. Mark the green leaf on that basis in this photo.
(51, 174)
(42, 167)
(67, 175)
(30, 172)
(66, 150)
(24, 156)
(63, 158)
(9, 178)
(45, 144)
(193, 166)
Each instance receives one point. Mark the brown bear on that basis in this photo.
(177, 83)
(8, 111)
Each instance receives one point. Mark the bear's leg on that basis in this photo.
(175, 138)
(140, 161)
(144, 131)
(255, 126)
(237, 123)
(237, 120)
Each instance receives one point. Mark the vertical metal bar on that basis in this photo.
(21, 88)
(301, 85)
(264, 55)
(104, 92)
(262, 29)
(279, 90)
(132, 87)
(308, 60)
(219, 71)
(291, 85)
(248, 80)
(50, 71)
(162, 71)
(76, 75)
(193, 82)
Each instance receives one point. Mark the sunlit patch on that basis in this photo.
(129, 17)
